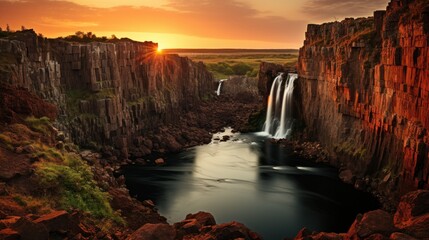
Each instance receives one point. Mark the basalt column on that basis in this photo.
(364, 85)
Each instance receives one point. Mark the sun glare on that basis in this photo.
(159, 50)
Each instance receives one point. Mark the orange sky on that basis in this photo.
(185, 23)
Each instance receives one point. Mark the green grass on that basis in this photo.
(72, 180)
(47, 153)
(224, 65)
(41, 125)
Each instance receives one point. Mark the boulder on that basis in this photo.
(187, 227)
(9, 234)
(58, 221)
(400, 236)
(8, 221)
(412, 205)
(227, 231)
(412, 215)
(159, 161)
(29, 230)
(172, 144)
(203, 218)
(151, 231)
(373, 222)
(347, 176)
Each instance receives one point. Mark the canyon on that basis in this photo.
(362, 93)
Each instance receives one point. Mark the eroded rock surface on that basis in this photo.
(364, 92)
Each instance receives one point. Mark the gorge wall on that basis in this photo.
(364, 90)
(108, 94)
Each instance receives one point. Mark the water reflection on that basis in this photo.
(251, 180)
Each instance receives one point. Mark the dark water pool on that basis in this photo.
(250, 180)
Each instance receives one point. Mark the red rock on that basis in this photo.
(378, 86)
(377, 236)
(203, 218)
(28, 230)
(59, 221)
(187, 227)
(303, 234)
(227, 231)
(373, 222)
(400, 236)
(347, 176)
(18, 103)
(8, 221)
(412, 215)
(9, 234)
(136, 213)
(328, 236)
(412, 205)
(154, 232)
(159, 161)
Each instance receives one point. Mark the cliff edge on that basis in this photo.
(110, 93)
(364, 89)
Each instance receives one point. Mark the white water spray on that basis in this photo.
(278, 122)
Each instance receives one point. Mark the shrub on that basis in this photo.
(48, 154)
(73, 181)
(253, 73)
(221, 68)
(241, 68)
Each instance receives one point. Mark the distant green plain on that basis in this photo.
(226, 62)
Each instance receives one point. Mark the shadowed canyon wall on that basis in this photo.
(107, 93)
(364, 90)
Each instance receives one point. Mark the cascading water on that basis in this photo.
(220, 86)
(278, 122)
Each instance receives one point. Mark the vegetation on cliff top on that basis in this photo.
(227, 62)
(223, 66)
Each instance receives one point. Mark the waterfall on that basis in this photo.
(278, 122)
(220, 86)
(269, 119)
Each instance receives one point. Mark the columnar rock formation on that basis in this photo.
(364, 85)
(107, 93)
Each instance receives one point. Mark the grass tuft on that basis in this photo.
(72, 180)
(41, 125)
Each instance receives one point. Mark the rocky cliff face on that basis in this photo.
(364, 86)
(107, 93)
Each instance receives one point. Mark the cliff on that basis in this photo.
(108, 94)
(364, 90)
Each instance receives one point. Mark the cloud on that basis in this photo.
(222, 19)
(334, 9)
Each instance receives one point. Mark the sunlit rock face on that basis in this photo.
(108, 94)
(364, 85)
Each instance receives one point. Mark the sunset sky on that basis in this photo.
(185, 23)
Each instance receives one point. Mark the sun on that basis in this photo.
(159, 50)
